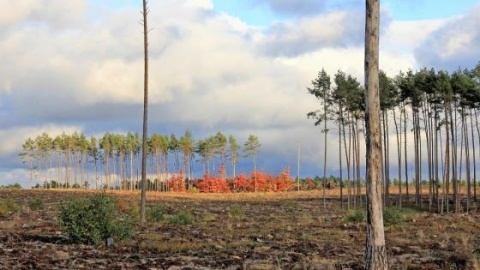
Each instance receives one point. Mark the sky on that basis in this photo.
(236, 66)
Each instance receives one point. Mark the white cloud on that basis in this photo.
(13, 138)
(204, 4)
(57, 13)
(453, 45)
(407, 35)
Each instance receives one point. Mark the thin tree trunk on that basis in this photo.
(357, 144)
(467, 162)
(405, 151)
(387, 160)
(143, 196)
(324, 150)
(347, 157)
(340, 159)
(375, 253)
(447, 156)
(399, 156)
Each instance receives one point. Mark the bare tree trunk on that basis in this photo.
(357, 144)
(405, 151)
(387, 158)
(143, 196)
(399, 156)
(340, 158)
(324, 150)
(467, 163)
(447, 157)
(347, 158)
(375, 253)
(352, 153)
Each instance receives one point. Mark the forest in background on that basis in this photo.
(431, 116)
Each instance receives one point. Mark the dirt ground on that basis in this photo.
(237, 231)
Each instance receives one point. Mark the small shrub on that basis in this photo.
(398, 216)
(95, 219)
(393, 216)
(356, 216)
(182, 218)
(236, 212)
(36, 204)
(155, 213)
(8, 206)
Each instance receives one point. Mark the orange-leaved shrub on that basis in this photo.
(242, 183)
(264, 182)
(283, 180)
(212, 184)
(177, 183)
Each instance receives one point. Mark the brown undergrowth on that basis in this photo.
(235, 231)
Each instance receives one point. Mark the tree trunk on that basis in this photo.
(399, 156)
(375, 253)
(347, 158)
(386, 158)
(405, 151)
(340, 158)
(143, 196)
(324, 151)
(467, 163)
(447, 156)
(357, 144)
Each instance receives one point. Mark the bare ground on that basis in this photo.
(237, 231)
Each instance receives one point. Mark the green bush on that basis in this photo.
(155, 213)
(36, 204)
(8, 206)
(392, 216)
(182, 218)
(94, 219)
(356, 216)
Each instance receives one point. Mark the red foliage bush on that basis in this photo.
(242, 183)
(177, 183)
(258, 181)
(283, 180)
(210, 184)
(309, 183)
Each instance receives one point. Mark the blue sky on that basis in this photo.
(240, 67)
(259, 13)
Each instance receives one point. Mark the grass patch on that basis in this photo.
(289, 203)
(356, 216)
(128, 207)
(208, 217)
(236, 212)
(182, 218)
(170, 246)
(9, 206)
(155, 213)
(36, 204)
(394, 216)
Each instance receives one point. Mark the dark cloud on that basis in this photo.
(294, 38)
(454, 45)
(337, 29)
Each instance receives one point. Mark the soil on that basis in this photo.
(237, 231)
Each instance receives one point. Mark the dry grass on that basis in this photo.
(285, 230)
